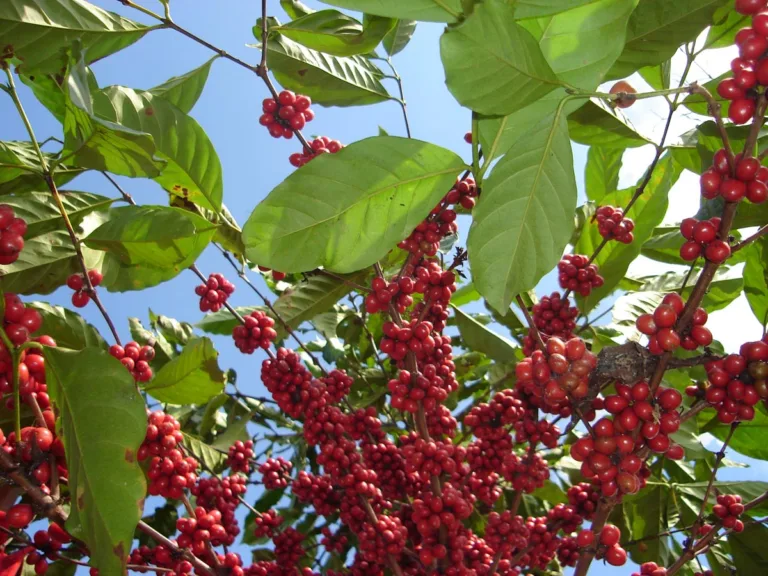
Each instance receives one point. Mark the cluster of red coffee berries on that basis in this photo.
(397, 291)
(240, 456)
(561, 371)
(463, 192)
(701, 237)
(578, 275)
(275, 473)
(750, 181)
(612, 224)
(198, 531)
(135, 358)
(12, 231)
(749, 69)
(553, 315)
(660, 327)
(76, 282)
(414, 336)
(46, 545)
(255, 332)
(728, 509)
(321, 145)
(286, 113)
(214, 293)
(169, 471)
(737, 382)
(650, 569)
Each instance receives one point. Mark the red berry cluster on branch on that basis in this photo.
(728, 509)
(559, 372)
(214, 293)
(275, 473)
(136, 359)
(578, 275)
(398, 292)
(661, 331)
(701, 238)
(553, 315)
(750, 181)
(737, 382)
(750, 70)
(255, 332)
(240, 455)
(76, 282)
(12, 231)
(286, 113)
(318, 146)
(612, 224)
(650, 569)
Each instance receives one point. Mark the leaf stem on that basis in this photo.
(396, 77)
(756, 236)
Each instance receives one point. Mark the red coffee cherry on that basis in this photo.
(288, 113)
(12, 231)
(214, 293)
(626, 94)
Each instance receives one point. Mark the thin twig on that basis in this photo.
(749, 239)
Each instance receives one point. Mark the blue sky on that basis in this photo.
(253, 163)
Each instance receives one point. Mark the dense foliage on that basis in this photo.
(401, 434)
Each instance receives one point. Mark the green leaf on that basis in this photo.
(309, 298)
(349, 209)
(146, 245)
(397, 38)
(481, 339)
(422, 10)
(92, 142)
(69, 329)
(211, 458)
(47, 261)
(595, 125)
(464, 295)
(334, 32)
(192, 168)
(750, 215)
(499, 134)
(538, 8)
(723, 33)
(750, 555)
(328, 80)
(658, 27)
(102, 422)
(43, 216)
(21, 180)
(524, 217)
(749, 439)
(173, 331)
(648, 212)
(647, 514)
(756, 279)
(295, 8)
(583, 43)
(40, 31)
(658, 77)
(748, 490)
(210, 416)
(601, 174)
(48, 89)
(193, 377)
(184, 91)
(724, 289)
(492, 64)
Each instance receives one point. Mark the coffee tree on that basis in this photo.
(399, 433)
